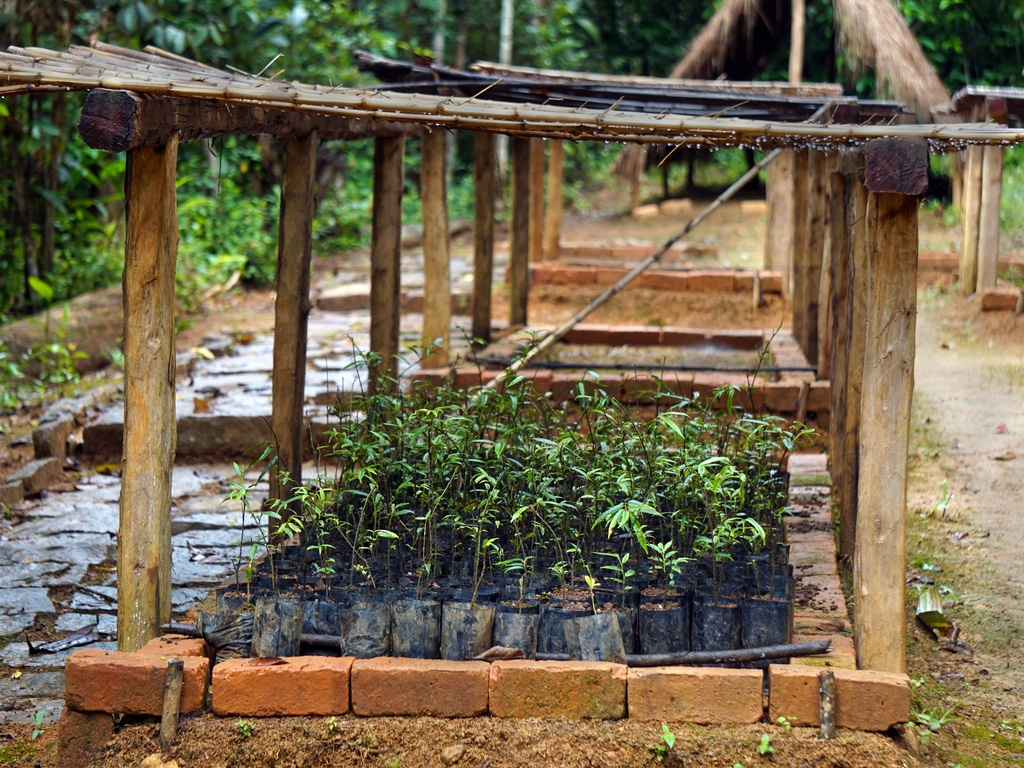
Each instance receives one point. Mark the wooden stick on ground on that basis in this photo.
(827, 713)
(172, 703)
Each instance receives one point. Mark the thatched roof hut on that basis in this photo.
(740, 36)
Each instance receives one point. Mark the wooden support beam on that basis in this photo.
(817, 193)
(536, 200)
(519, 233)
(291, 314)
(988, 223)
(484, 180)
(798, 260)
(150, 429)
(553, 210)
(119, 121)
(879, 574)
(385, 259)
(437, 299)
(778, 243)
(971, 219)
(824, 330)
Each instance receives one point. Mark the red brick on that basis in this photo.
(572, 689)
(712, 281)
(819, 397)
(608, 275)
(999, 298)
(539, 377)
(738, 339)
(177, 647)
(129, 683)
(682, 337)
(807, 463)
(465, 376)
(419, 687)
(303, 685)
(569, 276)
(743, 282)
(430, 378)
(82, 735)
(771, 282)
(780, 396)
(865, 700)
(696, 695)
(563, 386)
(842, 656)
(678, 383)
(587, 333)
(637, 335)
(664, 281)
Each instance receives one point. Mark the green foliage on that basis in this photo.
(765, 748)
(246, 728)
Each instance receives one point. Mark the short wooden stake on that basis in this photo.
(150, 428)
(385, 258)
(827, 699)
(519, 233)
(484, 178)
(756, 298)
(437, 301)
(172, 703)
(291, 312)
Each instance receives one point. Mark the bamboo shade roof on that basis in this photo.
(971, 100)
(157, 73)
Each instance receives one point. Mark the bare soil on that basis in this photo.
(968, 431)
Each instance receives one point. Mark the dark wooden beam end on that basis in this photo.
(896, 165)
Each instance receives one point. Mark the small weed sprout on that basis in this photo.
(246, 728)
(765, 748)
(668, 743)
(37, 721)
(786, 722)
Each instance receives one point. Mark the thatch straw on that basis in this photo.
(735, 39)
(874, 33)
(87, 70)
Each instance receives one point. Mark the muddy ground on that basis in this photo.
(966, 534)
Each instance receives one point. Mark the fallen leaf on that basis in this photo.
(15, 674)
(1008, 456)
(200, 405)
(958, 536)
(202, 352)
(109, 469)
(1001, 429)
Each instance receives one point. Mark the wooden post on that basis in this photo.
(817, 191)
(385, 258)
(778, 244)
(971, 219)
(827, 704)
(553, 210)
(536, 200)
(798, 260)
(150, 429)
(848, 297)
(824, 330)
(291, 312)
(519, 233)
(988, 224)
(483, 233)
(896, 172)
(437, 299)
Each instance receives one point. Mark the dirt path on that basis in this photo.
(969, 431)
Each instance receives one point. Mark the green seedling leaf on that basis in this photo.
(929, 612)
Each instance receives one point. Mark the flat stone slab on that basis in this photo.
(38, 475)
(51, 709)
(17, 655)
(106, 624)
(17, 600)
(41, 574)
(33, 685)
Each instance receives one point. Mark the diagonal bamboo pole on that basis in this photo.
(552, 338)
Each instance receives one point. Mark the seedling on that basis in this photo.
(765, 748)
(245, 728)
(786, 723)
(37, 720)
(668, 743)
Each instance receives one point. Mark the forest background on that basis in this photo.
(61, 202)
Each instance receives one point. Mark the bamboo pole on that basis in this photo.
(150, 430)
(553, 210)
(519, 233)
(291, 313)
(484, 179)
(437, 300)
(971, 220)
(988, 223)
(385, 259)
(879, 573)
